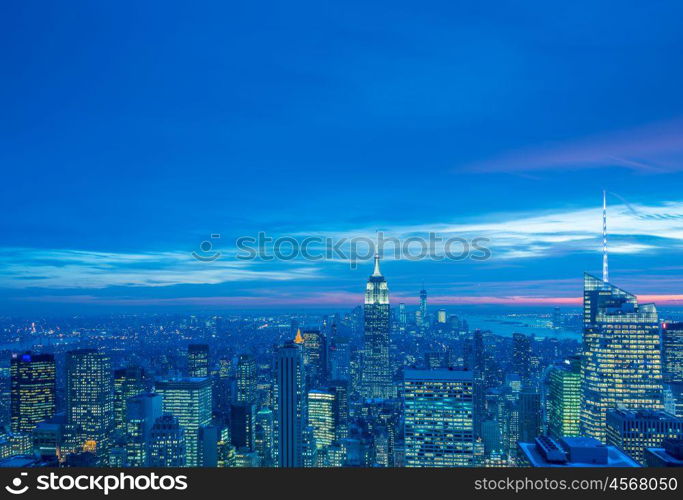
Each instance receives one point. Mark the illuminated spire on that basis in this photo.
(298, 339)
(605, 271)
(377, 272)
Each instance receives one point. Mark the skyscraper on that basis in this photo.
(128, 382)
(438, 418)
(32, 390)
(142, 411)
(246, 379)
(290, 405)
(402, 317)
(198, 360)
(563, 400)
(521, 356)
(188, 399)
(90, 402)
(621, 364)
(167, 443)
(264, 436)
(529, 415)
(340, 358)
(242, 422)
(423, 307)
(315, 358)
(672, 350)
(376, 371)
(633, 431)
(321, 406)
(479, 379)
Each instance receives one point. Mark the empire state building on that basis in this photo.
(377, 379)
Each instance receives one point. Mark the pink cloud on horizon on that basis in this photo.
(339, 299)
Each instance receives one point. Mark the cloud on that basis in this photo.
(514, 239)
(633, 229)
(76, 269)
(657, 148)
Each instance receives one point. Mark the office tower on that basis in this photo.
(621, 366)
(438, 418)
(402, 317)
(491, 437)
(198, 360)
(672, 352)
(264, 436)
(242, 422)
(321, 409)
(246, 379)
(5, 395)
(90, 399)
(340, 390)
(441, 317)
(188, 399)
(529, 415)
(376, 370)
(128, 382)
(315, 358)
(290, 405)
(521, 356)
(584, 452)
(340, 358)
(32, 390)
(142, 411)
(670, 454)
(207, 446)
(557, 318)
(634, 430)
(167, 443)
(479, 379)
(423, 307)
(510, 426)
(563, 399)
(222, 387)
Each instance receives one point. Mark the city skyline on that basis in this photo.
(125, 155)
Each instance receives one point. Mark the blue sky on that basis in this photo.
(133, 131)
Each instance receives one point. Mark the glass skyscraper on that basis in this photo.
(32, 390)
(622, 364)
(142, 412)
(672, 348)
(90, 402)
(246, 379)
(563, 399)
(321, 417)
(439, 427)
(315, 358)
(188, 399)
(290, 405)
(128, 382)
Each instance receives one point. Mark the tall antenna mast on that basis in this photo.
(605, 271)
